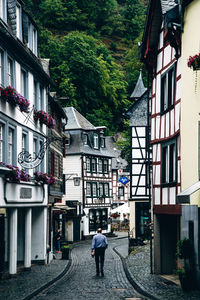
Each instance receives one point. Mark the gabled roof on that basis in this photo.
(156, 10)
(76, 120)
(139, 89)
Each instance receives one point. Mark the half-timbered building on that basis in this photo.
(139, 183)
(160, 51)
(120, 173)
(88, 159)
(24, 91)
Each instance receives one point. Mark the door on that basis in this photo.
(76, 233)
(168, 240)
(2, 243)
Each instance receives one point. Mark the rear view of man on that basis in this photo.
(99, 245)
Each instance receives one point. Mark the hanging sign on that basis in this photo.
(124, 180)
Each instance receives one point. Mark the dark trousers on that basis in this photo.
(99, 258)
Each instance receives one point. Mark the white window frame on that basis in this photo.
(96, 141)
(11, 134)
(2, 141)
(100, 165)
(3, 10)
(18, 21)
(88, 164)
(10, 71)
(24, 83)
(88, 189)
(1, 68)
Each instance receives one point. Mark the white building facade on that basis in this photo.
(23, 204)
(87, 158)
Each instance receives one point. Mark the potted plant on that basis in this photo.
(66, 251)
(185, 252)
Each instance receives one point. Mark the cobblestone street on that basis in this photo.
(81, 283)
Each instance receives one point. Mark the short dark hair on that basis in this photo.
(99, 230)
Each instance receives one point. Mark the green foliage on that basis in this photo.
(133, 65)
(184, 249)
(85, 72)
(123, 144)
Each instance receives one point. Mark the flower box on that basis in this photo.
(10, 95)
(16, 175)
(194, 62)
(44, 118)
(45, 178)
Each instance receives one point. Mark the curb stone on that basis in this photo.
(49, 283)
(130, 279)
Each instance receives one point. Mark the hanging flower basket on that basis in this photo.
(45, 178)
(44, 118)
(194, 62)
(115, 215)
(10, 95)
(16, 175)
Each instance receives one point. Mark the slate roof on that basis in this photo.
(117, 161)
(76, 120)
(139, 89)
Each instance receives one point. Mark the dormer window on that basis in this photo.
(85, 139)
(103, 142)
(18, 22)
(3, 5)
(96, 141)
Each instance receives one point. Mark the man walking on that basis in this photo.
(99, 245)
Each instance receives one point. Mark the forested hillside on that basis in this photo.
(93, 51)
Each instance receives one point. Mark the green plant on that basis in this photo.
(66, 247)
(184, 249)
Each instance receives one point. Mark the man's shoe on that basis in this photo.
(97, 274)
(102, 274)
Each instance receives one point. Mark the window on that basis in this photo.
(34, 41)
(23, 83)
(3, 9)
(121, 191)
(106, 189)
(98, 218)
(169, 163)
(24, 142)
(52, 163)
(18, 21)
(96, 141)
(87, 164)
(100, 166)
(101, 190)
(167, 89)
(35, 95)
(1, 142)
(41, 166)
(88, 189)
(41, 98)
(105, 166)
(85, 139)
(1, 68)
(10, 145)
(103, 142)
(10, 72)
(91, 189)
(94, 165)
(94, 189)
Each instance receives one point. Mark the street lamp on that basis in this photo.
(76, 179)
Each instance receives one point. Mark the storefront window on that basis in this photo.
(98, 218)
